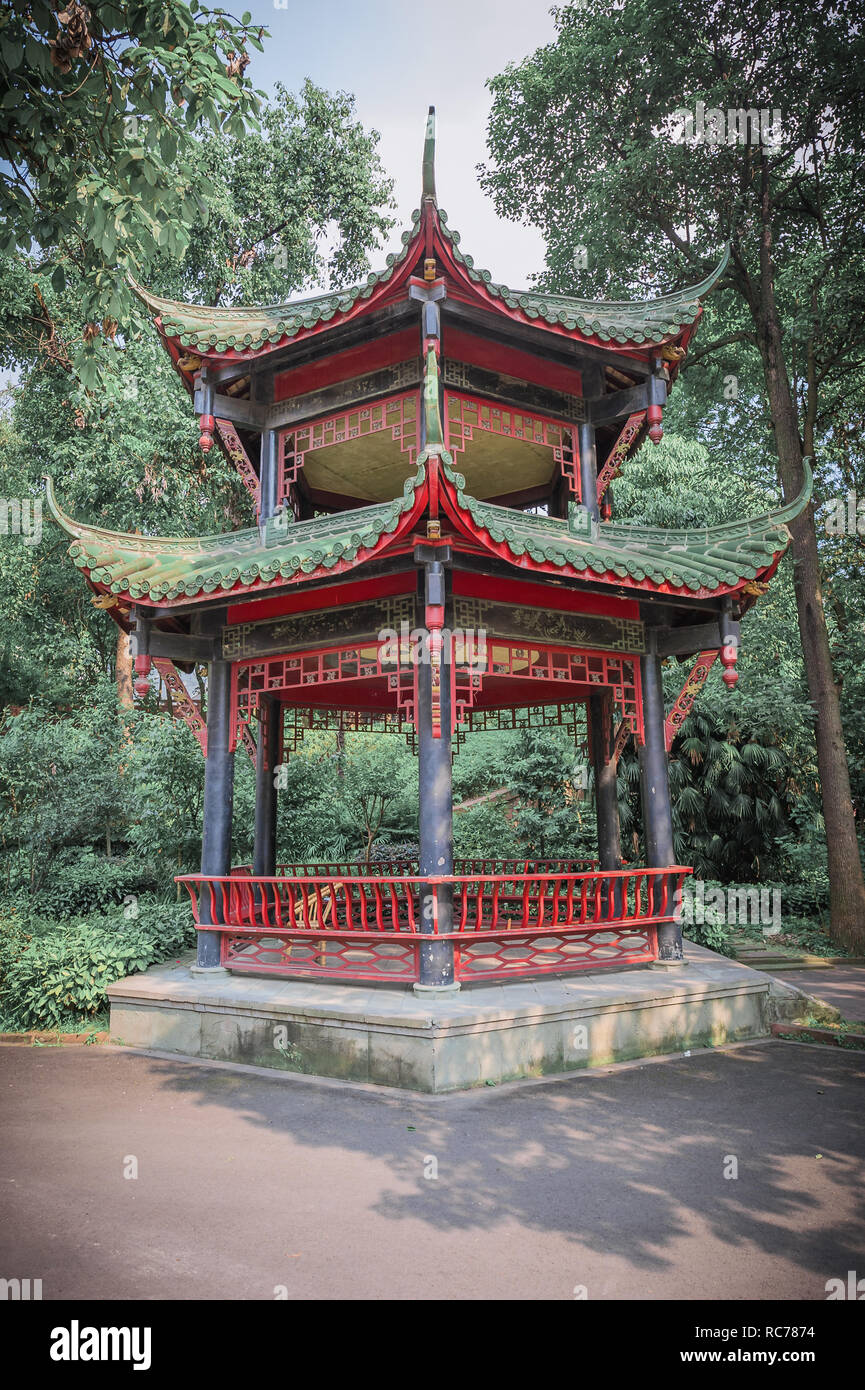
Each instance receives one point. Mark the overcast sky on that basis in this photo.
(398, 62)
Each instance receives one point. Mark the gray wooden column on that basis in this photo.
(655, 792)
(435, 794)
(261, 392)
(606, 791)
(264, 850)
(218, 803)
(589, 469)
(268, 475)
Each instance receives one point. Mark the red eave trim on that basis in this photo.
(465, 526)
(468, 291)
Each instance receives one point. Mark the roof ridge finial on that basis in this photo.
(429, 157)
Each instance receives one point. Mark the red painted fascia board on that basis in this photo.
(495, 357)
(352, 362)
(541, 596)
(334, 596)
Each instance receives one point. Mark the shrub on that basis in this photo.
(55, 975)
(713, 934)
(709, 927)
(81, 881)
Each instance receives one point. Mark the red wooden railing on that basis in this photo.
(368, 925)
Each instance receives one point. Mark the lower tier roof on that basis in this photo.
(697, 562)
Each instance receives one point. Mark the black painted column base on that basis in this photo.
(670, 947)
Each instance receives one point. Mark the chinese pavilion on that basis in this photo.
(431, 457)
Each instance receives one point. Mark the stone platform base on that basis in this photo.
(485, 1033)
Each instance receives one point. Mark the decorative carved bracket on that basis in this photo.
(616, 456)
(690, 690)
(230, 440)
(189, 710)
(620, 738)
(182, 704)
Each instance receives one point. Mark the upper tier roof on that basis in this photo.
(636, 326)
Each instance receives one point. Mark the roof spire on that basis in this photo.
(429, 156)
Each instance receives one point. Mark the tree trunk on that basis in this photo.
(847, 887)
(123, 668)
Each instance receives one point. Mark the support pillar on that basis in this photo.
(435, 797)
(218, 803)
(655, 792)
(264, 850)
(606, 790)
(268, 475)
(589, 469)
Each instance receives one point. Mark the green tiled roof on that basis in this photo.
(634, 322)
(702, 558)
(208, 329)
(174, 567)
(615, 321)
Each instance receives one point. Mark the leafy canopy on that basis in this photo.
(97, 122)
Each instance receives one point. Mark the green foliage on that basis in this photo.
(487, 831)
(347, 793)
(729, 789)
(99, 115)
(54, 973)
(309, 178)
(80, 881)
(549, 819)
(715, 935)
(46, 764)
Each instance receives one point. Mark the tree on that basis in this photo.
(298, 202)
(585, 141)
(378, 786)
(98, 121)
(126, 456)
(541, 767)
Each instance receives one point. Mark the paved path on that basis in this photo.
(841, 985)
(614, 1181)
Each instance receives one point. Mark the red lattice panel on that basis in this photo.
(466, 416)
(494, 958)
(355, 956)
(311, 670)
(397, 416)
(571, 666)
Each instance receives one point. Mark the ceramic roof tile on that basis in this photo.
(168, 568)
